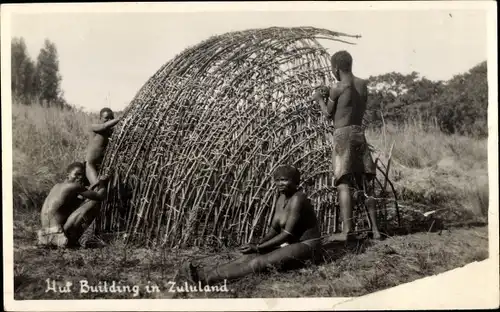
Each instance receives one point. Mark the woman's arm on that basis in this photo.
(252, 248)
(290, 226)
(270, 234)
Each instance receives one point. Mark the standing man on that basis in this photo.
(100, 134)
(354, 166)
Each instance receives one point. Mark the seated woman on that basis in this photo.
(293, 237)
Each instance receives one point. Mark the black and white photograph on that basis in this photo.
(308, 155)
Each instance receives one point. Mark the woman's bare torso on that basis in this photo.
(308, 226)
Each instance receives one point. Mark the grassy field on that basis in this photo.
(430, 169)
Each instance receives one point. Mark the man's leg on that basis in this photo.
(91, 172)
(370, 204)
(80, 220)
(365, 180)
(343, 167)
(346, 206)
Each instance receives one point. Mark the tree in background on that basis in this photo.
(40, 82)
(23, 84)
(463, 105)
(47, 73)
(399, 97)
(459, 105)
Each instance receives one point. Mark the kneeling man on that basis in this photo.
(69, 209)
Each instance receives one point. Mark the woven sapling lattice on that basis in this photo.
(192, 159)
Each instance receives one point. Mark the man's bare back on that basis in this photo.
(350, 97)
(61, 201)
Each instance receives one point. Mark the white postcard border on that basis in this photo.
(473, 286)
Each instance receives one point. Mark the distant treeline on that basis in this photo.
(459, 105)
(36, 81)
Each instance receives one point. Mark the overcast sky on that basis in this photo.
(115, 53)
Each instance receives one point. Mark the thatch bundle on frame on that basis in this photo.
(193, 157)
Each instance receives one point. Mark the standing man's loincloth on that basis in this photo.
(351, 154)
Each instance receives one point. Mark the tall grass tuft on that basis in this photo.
(433, 168)
(45, 140)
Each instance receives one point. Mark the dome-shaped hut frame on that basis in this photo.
(193, 157)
